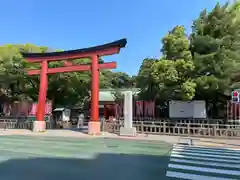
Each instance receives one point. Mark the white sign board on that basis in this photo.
(199, 109)
(187, 109)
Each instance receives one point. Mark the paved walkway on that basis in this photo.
(79, 134)
(201, 163)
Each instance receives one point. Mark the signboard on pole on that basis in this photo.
(235, 96)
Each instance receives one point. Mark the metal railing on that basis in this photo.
(178, 129)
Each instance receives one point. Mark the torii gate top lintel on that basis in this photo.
(100, 50)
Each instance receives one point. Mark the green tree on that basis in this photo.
(63, 89)
(173, 72)
(69, 89)
(118, 95)
(173, 80)
(215, 49)
(144, 80)
(13, 78)
(176, 45)
(110, 79)
(121, 80)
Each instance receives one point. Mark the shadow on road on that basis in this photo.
(102, 167)
(82, 130)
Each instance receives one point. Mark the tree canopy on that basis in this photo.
(205, 62)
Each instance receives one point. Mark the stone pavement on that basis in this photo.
(201, 163)
(62, 156)
(79, 134)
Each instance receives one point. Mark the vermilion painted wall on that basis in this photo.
(24, 108)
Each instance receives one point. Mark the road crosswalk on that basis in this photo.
(202, 163)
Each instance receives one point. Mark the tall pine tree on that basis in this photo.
(215, 46)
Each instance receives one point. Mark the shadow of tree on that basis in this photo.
(102, 167)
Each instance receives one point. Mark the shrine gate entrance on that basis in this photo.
(93, 53)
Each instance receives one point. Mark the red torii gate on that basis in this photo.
(93, 53)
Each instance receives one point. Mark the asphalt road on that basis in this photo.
(62, 158)
(67, 154)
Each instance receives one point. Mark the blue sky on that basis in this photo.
(75, 24)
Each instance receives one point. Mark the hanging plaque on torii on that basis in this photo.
(93, 53)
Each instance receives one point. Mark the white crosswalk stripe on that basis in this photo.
(201, 163)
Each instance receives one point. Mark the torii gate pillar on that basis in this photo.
(94, 125)
(93, 53)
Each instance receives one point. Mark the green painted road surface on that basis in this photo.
(65, 158)
(201, 163)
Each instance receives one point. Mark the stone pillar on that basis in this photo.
(128, 129)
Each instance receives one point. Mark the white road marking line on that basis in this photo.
(204, 169)
(207, 155)
(206, 163)
(210, 148)
(203, 158)
(216, 148)
(195, 156)
(193, 176)
(206, 151)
